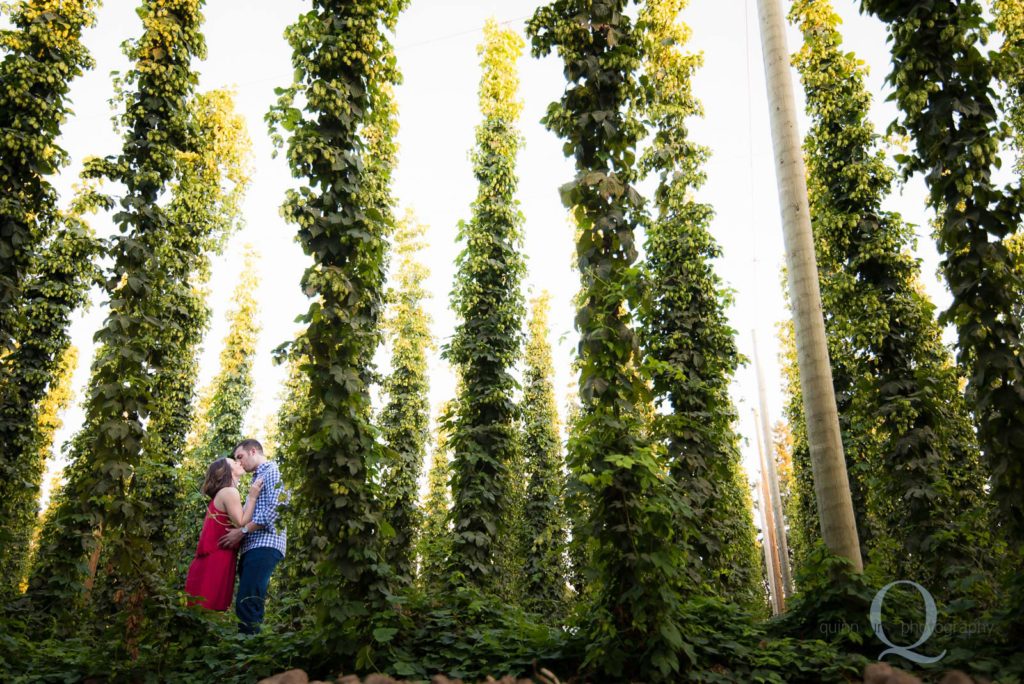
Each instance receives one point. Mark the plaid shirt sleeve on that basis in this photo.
(266, 513)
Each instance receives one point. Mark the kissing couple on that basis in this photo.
(235, 536)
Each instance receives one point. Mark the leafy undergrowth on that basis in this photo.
(835, 604)
(469, 636)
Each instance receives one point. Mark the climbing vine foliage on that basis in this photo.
(340, 145)
(544, 524)
(40, 55)
(434, 540)
(689, 347)
(405, 419)
(56, 285)
(49, 420)
(632, 608)
(487, 298)
(45, 254)
(223, 406)
(942, 78)
(106, 496)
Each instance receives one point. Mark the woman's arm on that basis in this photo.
(250, 502)
(231, 502)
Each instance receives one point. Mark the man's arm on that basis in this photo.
(233, 537)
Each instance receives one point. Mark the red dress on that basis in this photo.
(212, 573)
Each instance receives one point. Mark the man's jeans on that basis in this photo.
(254, 568)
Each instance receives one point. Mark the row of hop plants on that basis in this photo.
(637, 559)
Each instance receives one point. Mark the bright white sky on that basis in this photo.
(437, 103)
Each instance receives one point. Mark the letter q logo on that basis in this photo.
(930, 617)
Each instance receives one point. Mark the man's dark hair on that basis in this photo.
(248, 445)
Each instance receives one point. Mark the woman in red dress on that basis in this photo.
(211, 577)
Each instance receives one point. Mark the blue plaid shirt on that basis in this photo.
(266, 514)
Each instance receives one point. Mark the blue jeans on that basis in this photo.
(254, 568)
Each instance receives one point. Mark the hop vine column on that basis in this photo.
(56, 286)
(943, 78)
(45, 256)
(341, 146)
(224, 404)
(690, 350)
(405, 419)
(434, 539)
(107, 493)
(139, 403)
(632, 618)
(545, 524)
(488, 339)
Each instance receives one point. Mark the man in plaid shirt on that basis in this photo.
(262, 540)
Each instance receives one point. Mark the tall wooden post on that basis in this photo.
(768, 461)
(771, 549)
(831, 483)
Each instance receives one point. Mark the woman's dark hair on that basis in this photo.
(218, 476)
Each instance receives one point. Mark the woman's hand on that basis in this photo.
(250, 501)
